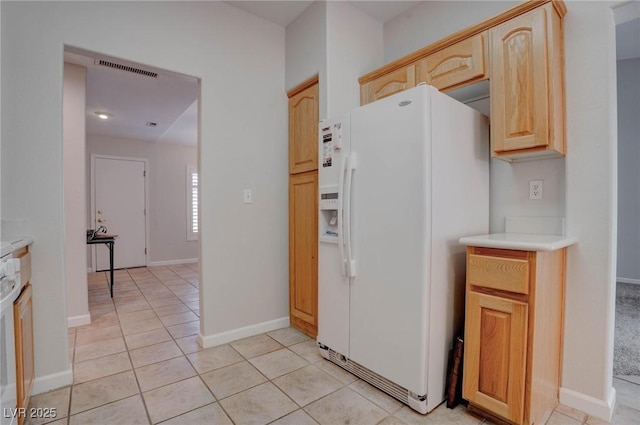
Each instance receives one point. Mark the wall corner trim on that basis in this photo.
(74, 321)
(42, 384)
(208, 341)
(602, 409)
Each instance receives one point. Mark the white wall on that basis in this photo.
(243, 144)
(354, 47)
(167, 195)
(408, 32)
(509, 190)
(628, 171)
(580, 187)
(590, 83)
(73, 166)
(306, 50)
(339, 43)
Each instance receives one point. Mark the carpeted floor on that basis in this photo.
(626, 354)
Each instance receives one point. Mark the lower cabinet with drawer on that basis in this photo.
(23, 330)
(25, 367)
(513, 332)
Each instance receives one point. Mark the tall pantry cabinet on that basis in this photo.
(303, 207)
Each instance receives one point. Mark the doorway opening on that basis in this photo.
(626, 352)
(130, 136)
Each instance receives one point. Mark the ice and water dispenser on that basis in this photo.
(332, 151)
(328, 219)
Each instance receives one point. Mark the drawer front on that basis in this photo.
(458, 64)
(505, 274)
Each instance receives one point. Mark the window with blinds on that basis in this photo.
(192, 203)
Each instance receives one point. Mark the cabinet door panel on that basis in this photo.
(303, 130)
(461, 63)
(519, 83)
(303, 252)
(388, 84)
(495, 354)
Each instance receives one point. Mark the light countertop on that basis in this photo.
(18, 242)
(519, 241)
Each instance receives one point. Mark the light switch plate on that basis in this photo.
(248, 196)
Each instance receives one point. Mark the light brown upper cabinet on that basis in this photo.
(303, 127)
(520, 52)
(392, 82)
(527, 96)
(460, 64)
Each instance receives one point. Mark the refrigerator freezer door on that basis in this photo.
(333, 300)
(390, 214)
(333, 283)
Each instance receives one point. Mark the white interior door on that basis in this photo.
(119, 204)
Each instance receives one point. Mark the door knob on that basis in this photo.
(101, 220)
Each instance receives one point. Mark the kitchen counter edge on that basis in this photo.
(18, 243)
(519, 241)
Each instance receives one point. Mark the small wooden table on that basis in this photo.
(109, 241)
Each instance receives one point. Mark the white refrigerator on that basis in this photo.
(400, 181)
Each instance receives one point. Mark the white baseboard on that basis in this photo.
(627, 280)
(89, 269)
(172, 262)
(52, 382)
(602, 409)
(214, 340)
(74, 321)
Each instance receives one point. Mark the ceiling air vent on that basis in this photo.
(126, 68)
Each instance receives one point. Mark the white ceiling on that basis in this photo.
(278, 12)
(171, 99)
(283, 12)
(133, 100)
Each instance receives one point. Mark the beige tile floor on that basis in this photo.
(139, 363)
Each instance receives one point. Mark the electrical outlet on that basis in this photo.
(535, 189)
(248, 197)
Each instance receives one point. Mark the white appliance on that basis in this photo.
(401, 180)
(9, 291)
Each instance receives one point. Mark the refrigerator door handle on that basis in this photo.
(343, 262)
(351, 262)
